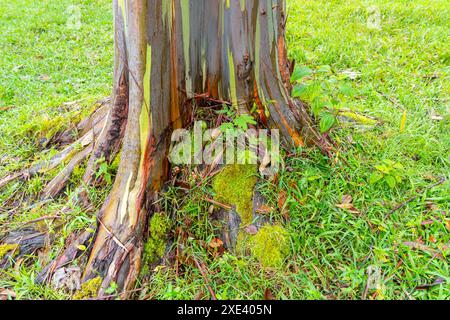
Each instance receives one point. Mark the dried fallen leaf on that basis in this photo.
(216, 243)
(374, 275)
(44, 77)
(268, 295)
(265, 162)
(347, 204)
(351, 74)
(282, 197)
(427, 222)
(7, 294)
(264, 209)
(346, 198)
(67, 278)
(431, 206)
(420, 246)
(435, 116)
(4, 108)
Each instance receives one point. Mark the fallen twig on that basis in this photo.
(214, 202)
(392, 100)
(6, 108)
(202, 271)
(42, 218)
(401, 205)
(115, 239)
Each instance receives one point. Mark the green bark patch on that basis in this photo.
(234, 186)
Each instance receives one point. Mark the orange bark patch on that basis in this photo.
(261, 109)
(283, 63)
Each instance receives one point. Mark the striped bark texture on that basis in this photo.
(166, 53)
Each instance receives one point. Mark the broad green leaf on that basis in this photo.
(375, 177)
(327, 121)
(324, 69)
(318, 105)
(390, 180)
(298, 90)
(383, 168)
(346, 89)
(300, 73)
(398, 166)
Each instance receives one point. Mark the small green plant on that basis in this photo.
(389, 172)
(112, 289)
(172, 293)
(34, 185)
(241, 122)
(324, 90)
(228, 111)
(103, 170)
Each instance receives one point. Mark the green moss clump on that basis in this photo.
(159, 228)
(270, 246)
(115, 164)
(234, 186)
(89, 289)
(5, 248)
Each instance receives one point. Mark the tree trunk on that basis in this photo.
(166, 53)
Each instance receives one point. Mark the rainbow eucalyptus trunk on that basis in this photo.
(166, 53)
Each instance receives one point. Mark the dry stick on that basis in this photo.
(42, 218)
(115, 239)
(47, 165)
(401, 205)
(205, 278)
(392, 100)
(214, 202)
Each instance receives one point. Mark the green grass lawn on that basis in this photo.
(395, 70)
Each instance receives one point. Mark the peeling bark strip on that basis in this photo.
(167, 52)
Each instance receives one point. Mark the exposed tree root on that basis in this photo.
(68, 256)
(64, 155)
(28, 240)
(58, 183)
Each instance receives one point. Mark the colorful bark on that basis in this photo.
(167, 52)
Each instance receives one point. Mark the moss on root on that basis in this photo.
(270, 246)
(6, 248)
(159, 228)
(88, 290)
(234, 186)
